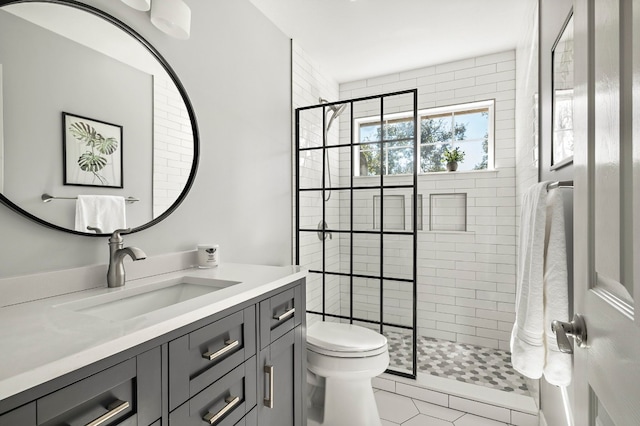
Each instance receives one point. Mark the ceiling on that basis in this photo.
(357, 39)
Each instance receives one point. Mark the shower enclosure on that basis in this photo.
(356, 229)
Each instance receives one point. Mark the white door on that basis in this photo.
(607, 211)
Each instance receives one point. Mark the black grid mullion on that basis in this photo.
(416, 166)
(352, 156)
(381, 232)
(346, 274)
(324, 208)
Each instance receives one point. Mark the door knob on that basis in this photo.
(576, 329)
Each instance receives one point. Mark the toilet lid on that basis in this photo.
(337, 337)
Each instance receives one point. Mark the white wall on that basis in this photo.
(235, 68)
(309, 83)
(466, 280)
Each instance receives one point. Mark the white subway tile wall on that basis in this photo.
(466, 280)
(309, 83)
(172, 145)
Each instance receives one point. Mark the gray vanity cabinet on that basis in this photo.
(203, 356)
(280, 392)
(224, 403)
(25, 416)
(128, 393)
(213, 371)
(282, 366)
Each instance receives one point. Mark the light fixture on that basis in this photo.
(142, 5)
(172, 17)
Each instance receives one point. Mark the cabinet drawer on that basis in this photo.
(128, 393)
(251, 419)
(223, 403)
(205, 355)
(280, 314)
(24, 416)
(110, 391)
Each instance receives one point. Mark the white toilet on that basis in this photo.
(341, 361)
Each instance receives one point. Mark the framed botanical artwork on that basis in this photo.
(92, 152)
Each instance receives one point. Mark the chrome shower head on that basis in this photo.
(337, 109)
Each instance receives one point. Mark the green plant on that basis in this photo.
(92, 161)
(453, 155)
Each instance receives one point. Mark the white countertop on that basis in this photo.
(42, 340)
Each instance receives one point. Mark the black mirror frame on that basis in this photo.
(196, 139)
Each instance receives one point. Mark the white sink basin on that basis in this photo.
(130, 303)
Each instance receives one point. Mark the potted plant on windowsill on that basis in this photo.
(452, 157)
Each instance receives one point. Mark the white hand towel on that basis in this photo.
(106, 212)
(542, 289)
(527, 336)
(557, 367)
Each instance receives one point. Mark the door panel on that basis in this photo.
(607, 372)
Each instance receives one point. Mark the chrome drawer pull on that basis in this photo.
(114, 408)
(229, 344)
(231, 402)
(285, 315)
(268, 402)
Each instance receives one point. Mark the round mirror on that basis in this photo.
(89, 108)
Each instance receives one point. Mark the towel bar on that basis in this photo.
(47, 197)
(560, 184)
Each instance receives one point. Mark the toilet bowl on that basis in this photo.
(341, 361)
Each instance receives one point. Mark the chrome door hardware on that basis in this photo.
(114, 408)
(228, 345)
(576, 329)
(285, 315)
(268, 402)
(231, 401)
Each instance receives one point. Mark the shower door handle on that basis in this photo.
(576, 329)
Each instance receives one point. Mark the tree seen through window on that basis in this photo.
(466, 129)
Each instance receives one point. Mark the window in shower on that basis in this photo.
(356, 237)
(466, 126)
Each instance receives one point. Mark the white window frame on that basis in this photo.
(457, 108)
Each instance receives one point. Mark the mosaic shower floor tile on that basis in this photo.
(466, 363)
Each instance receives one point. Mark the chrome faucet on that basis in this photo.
(117, 252)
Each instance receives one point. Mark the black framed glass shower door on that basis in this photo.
(358, 213)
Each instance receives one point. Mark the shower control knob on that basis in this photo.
(576, 329)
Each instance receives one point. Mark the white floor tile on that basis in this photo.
(388, 423)
(471, 420)
(423, 394)
(485, 410)
(384, 384)
(437, 411)
(395, 408)
(523, 419)
(422, 420)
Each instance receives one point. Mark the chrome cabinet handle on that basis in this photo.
(268, 402)
(231, 401)
(285, 315)
(576, 329)
(229, 344)
(114, 408)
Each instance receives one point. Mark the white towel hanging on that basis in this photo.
(542, 290)
(106, 212)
